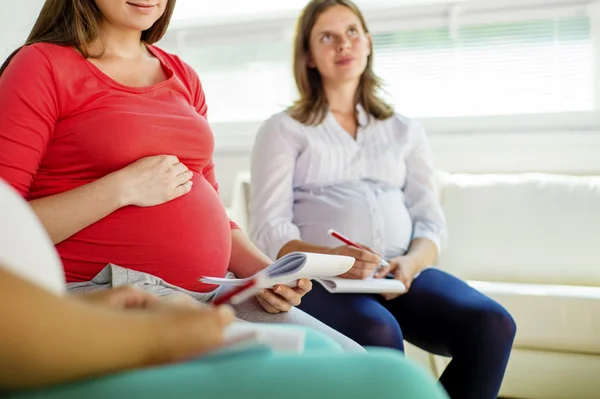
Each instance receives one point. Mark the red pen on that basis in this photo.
(347, 241)
(230, 295)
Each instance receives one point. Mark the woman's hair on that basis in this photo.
(76, 23)
(311, 108)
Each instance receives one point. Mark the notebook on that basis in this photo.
(368, 286)
(291, 267)
(319, 267)
(242, 336)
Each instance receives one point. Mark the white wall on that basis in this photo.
(16, 20)
(562, 144)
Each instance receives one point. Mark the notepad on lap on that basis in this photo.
(322, 268)
(368, 286)
(292, 267)
(242, 336)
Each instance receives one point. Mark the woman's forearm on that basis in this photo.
(301, 246)
(423, 252)
(246, 259)
(69, 212)
(45, 339)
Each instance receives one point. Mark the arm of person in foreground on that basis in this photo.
(47, 339)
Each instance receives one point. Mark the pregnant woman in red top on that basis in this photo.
(106, 136)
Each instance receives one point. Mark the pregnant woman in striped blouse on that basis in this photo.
(341, 158)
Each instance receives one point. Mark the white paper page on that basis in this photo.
(371, 285)
(225, 281)
(238, 332)
(238, 340)
(317, 265)
(281, 339)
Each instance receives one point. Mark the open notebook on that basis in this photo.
(241, 336)
(293, 266)
(322, 268)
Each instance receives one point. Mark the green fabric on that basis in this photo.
(323, 371)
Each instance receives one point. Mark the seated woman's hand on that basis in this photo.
(367, 261)
(404, 269)
(153, 181)
(281, 298)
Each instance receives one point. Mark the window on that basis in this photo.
(541, 62)
(535, 66)
(245, 81)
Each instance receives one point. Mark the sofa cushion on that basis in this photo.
(529, 228)
(550, 317)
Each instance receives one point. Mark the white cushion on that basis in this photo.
(551, 317)
(25, 248)
(530, 228)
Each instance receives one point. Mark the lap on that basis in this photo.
(437, 295)
(440, 310)
(113, 276)
(359, 316)
(437, 312)
(343, 311)
(252, 311)
(381, 373)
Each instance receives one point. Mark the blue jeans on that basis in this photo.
(440, 314)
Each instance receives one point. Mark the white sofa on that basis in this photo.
(532, 242)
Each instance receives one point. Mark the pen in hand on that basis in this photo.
(351, 243)
(238, 294)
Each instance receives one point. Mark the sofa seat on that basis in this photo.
(550, 317)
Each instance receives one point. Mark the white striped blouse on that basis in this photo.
(377, 190)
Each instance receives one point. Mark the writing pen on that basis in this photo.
(237, 294)
(351, 243)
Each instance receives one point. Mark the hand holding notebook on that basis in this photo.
(290, 268)
(319, 267)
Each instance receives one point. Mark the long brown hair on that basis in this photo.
(76, 23)
(311, 108)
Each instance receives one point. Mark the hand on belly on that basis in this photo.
(153, 181)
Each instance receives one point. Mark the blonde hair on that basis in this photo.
(312, 107)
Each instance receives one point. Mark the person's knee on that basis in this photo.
(375, 331)
(497, 325)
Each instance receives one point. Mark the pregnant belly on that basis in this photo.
(364, 212)
(179, 241)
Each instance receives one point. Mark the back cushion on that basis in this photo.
(531, 228)
(25, 248)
